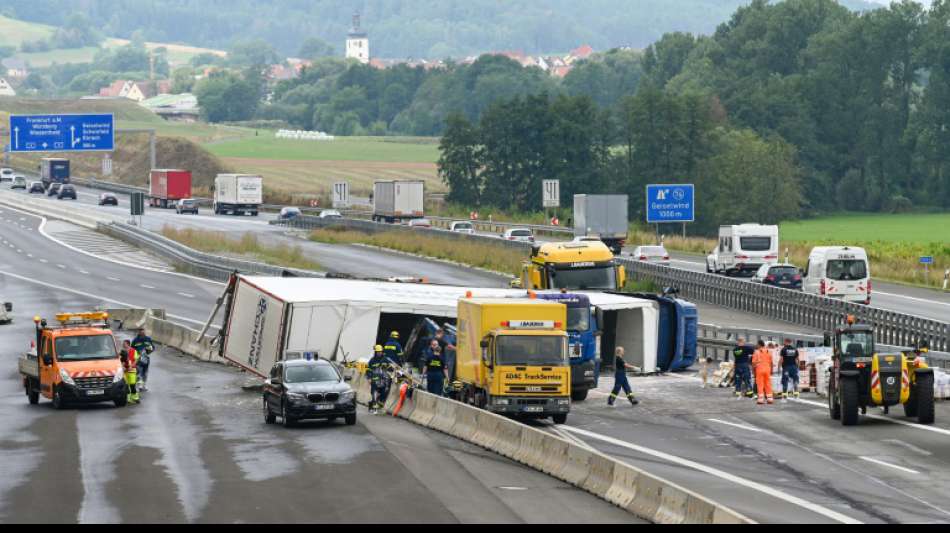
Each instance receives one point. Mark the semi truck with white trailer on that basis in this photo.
(395, 201)
(603, 216)
(238, 194)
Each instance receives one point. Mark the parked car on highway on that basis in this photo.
(6, 174)
(330, 213)
(53, 189)
(289, 213)
(652, 254)
(463, 227)
(519, 234)
(36, 187)
(67, 191)
(107, 198)
(420, 223)
(307, 390)
(188, 205)
(19, 182)
(784, 275)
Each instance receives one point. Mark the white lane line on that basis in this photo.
(62, 266)
(764, 489)
(186, 295)
(113, 279)
(567, 436)
(923, 300)
(747, 428)
(889, 465)
(93, 296)
(889, 419)
(30, 256)
(149, 287)
(19, 251)
(909, 446)
(43, 261)
(83, 272)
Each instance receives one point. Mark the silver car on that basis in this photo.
(519, 235)
(463, 227)
(652, 254)
(19, 182)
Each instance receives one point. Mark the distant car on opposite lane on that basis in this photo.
(187, 205)
(67, 192)
(652, 254)
(289, 213)
(19, 182)
(519, 235)
(107, 198)
(53, 189)
(463, 227)
(420, 223)
(784, 275)
(330, 213)
(36, 187)
(307, 390)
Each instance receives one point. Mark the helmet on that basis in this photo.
(378, 348)
(394, 334)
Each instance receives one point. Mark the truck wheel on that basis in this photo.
(834, 408)
(560, 419)
(910, 408)
(32, 394)
(121, 401)
(849, 402)
(269, 417)
(579, 395)
(288, 420)
(350, 419)
(925, 399)
(58, 402)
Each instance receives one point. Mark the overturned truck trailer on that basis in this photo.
(272, 319)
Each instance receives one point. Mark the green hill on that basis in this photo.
(15, 32)
(124, 110)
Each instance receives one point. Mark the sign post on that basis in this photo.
(551, 197)
(670, 204)
(341, 195)
(927, 260)
(137, 205)
(62, 133)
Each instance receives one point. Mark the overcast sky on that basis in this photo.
(887, 2)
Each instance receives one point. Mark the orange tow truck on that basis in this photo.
(76, 362)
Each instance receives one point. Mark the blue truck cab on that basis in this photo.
(584, 342)
(678, 331)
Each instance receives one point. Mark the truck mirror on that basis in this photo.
(48, 360)
(484, 344)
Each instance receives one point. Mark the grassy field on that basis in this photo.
(15, 32)
(384, 149)
(70, 55)
(924, 228)
(247, 247)
(124, 110)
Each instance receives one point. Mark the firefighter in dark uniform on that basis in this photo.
(393, 349)
(435, 369)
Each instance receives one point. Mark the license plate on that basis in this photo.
(95, 392)
(323, 406)
(533, 409)
(785, 283)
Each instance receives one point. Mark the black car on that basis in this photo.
(53, 189)
(67, 191)
(107, 198)
(784, 275)
(308, 390)
(36, 187)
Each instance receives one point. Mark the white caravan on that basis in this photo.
(840, 272)
(743, 249)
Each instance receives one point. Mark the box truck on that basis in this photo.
(54, 171)
(238, 194)
(603, 216)
(165, 187)
(395, 201)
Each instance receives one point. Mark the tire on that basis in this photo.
(269, 417)
(834, 408)
(560, 419)
(579, 395)
(288, 421)
(58, 402)
(121, 402)
(32, 394)
(910, 408)
(849, 402)
(350, 419)
(925, 399)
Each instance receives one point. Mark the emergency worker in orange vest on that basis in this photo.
(130, 359)
(762, 366)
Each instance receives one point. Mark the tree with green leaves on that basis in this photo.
(460, 161)
(226, 97)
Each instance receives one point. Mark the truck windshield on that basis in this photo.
(310, 374)
(857, 344)
(578, 319)
(514, 350)
(755, 244)
(598, 278)
(85, 348)
(847, 269)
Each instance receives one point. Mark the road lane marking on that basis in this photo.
(30, 256)
(149, 287)
(747, 428)
(113, 279)
(43, 261)
(907, 445)
(764, 489)
(93, 296)
(186, 295)
(923, 300)
(887, 418)
(83, 272)
(882, 463)
(62, 266)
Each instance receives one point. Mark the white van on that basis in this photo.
(841, 272)
(743, 249)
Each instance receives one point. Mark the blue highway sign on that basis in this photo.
(62, 133)
(671, 203)
(927, 260)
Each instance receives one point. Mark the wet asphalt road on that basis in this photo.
(197, 450)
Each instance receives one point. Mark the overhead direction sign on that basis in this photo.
(62, 133)
(671, 203)
(551, 193)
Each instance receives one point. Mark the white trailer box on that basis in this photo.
(398, 200)
(603, 216)
(238, 194)
(336, 319)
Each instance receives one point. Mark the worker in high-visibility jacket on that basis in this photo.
(130, 359)
(762, 366)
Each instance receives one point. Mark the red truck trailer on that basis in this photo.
(166, 187)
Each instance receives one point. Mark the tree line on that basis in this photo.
(788, 109)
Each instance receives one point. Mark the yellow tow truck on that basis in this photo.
(512, 358)
(581, 265)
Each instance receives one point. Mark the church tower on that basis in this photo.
(357, 43)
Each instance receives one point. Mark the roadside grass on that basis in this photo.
(382, 149)
(480, 255)
(14, 32)
(862, 227)
(246, 247)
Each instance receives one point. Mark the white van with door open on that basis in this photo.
(840, 272)
(743, 249)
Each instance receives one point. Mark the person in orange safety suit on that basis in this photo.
(762, 367)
